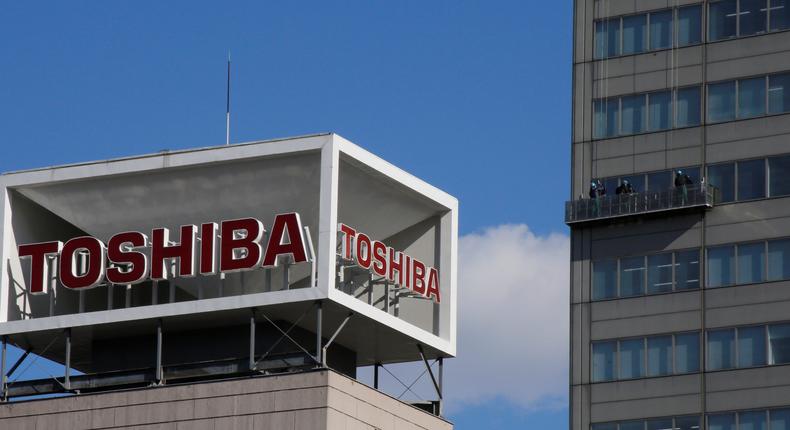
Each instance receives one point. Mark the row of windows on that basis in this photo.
(765, 419)
(662, 110)
(677, 354)
(670, 423)
(771, 419)
(751, 179)
(650, 274)
(648, 31)
(639, 113)
(679, 27)
(748, 98)
(753, 346)
(737, 18)
(748, 263)
(646, 356)
(732, 264)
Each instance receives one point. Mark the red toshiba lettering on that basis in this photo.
(418, 273)
(285, 224)
(395, 264)
(433, 284)
(249, 243)
(136, 259)
(362, 251)
(82, 263)
(39, 263)
(208, 248)
(162, 253)
(348, 240)
(379, 258)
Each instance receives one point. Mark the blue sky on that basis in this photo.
(473, 97)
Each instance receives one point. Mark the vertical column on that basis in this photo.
(158, 374)
(67, 379)
(376, 375)
(252, 340)
(441, 385)
(2, 369)
(319, 315)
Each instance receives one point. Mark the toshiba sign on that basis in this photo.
(386, 262)
(130, 257)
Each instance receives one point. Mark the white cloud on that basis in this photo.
(513, 320)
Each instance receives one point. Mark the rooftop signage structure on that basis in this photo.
(199, 239)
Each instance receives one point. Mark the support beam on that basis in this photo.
(332, 339)
(67, 379)
(441, 383)
(318, 338)
(252, 340)
(430, 372)
(158, 376)
(376, 375)
(2, 369)
(18, 362)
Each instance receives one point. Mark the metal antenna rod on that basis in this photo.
(227, 107)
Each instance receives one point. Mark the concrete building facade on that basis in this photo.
(680, 283)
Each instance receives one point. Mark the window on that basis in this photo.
(779, 338)
(751, 346)
(721, 349)
(687, 107)
(632, 276)
(779, 15)
(632, 425)
(778, 260)
(632, 358)
(721, 266)
(779, 93)
(751, 263)
(752, 420)
(751, 97)
(603, 360)
(721, 101)
(659, 181)
(721, 20)
(689, 25)
(612, 110)
(634, 114)
(722, 176)
(659, 356)
(600, 39)
(604, 280)
(687, 270)
(605, 426)
(659, 273)
(751, 179)
(687, 423)
(780, 418)
(687, 353)
(779, 169)
(599, 119)
(721, 422)
(634, 34)
(661, 29)
(613, 37)
(660, 424)
(752, 17)
(659, 110)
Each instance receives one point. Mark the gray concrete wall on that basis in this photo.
(315, 400)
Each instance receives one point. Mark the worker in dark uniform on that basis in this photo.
(594, 198)
(682, 183)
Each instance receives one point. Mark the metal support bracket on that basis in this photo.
(332, 339)
(436, 384)
(284, 335)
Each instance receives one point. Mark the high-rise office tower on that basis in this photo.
(680, 215)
